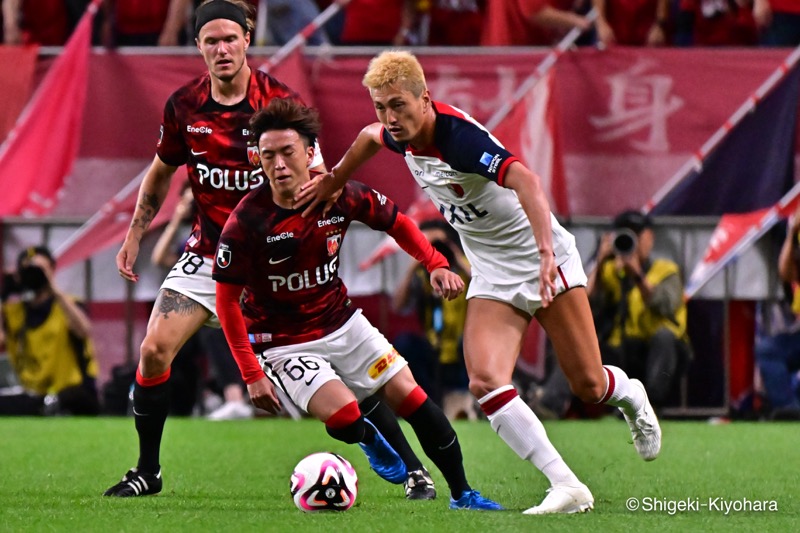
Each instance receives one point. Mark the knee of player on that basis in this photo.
(480, 386)
(156, 357)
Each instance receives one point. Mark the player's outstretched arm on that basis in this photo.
(366, 145)
(445, 283)
(152, 192)
(534, 202)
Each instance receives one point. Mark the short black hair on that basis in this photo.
(30, 251)
(285, 114)
(634, 220)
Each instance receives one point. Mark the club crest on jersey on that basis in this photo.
(333, 243)
(224, 256)
(253, 156)
(457, 189)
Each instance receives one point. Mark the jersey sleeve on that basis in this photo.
(233, 259)
(233, 324)
(369, 206)
(171, 147)
(408, 236)
(468, 148)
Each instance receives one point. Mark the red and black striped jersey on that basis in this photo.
(289, 264)
(213, 141)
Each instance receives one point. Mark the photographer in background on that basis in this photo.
(46, 335)
(638, 306)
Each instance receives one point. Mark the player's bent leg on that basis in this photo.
(437, 438)
(174, 319)
(492, 339)
(569, 326)
(418, 484)
(336, 406)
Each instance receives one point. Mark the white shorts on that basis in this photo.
(191, 276)
(356, 354)
(524, 294)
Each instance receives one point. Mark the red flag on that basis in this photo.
(110, 224)
(529, 131)
(39, 152)
(420, 211)
(734, 234)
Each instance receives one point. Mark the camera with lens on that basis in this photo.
(624, 242)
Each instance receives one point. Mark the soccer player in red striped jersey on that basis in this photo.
(524, 265)
(295, 313)
(205, 127)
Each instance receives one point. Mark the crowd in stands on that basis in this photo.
(427, 22)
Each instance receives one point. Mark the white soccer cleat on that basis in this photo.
(232, 411)
(565, 499)
(645, 430)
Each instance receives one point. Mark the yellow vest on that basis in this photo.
(45, 358)
(641, 322)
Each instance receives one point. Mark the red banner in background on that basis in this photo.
(616, 115)
(40, 150)
(631, 117)
(530, 131)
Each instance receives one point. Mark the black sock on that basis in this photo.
(440, 442)
(150, 407)
(386, 421)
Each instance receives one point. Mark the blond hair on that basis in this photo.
(395, 67)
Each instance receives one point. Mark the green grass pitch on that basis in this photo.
(234, 476)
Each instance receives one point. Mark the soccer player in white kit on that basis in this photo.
(524, 265)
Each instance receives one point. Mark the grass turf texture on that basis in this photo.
(234, 476)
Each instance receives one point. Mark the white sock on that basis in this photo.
(519, 427)
(620, 393)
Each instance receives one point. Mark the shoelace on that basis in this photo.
(644, 427)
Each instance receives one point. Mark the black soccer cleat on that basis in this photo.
(419, 485)
(135, 483)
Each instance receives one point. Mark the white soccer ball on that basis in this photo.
(324, 482)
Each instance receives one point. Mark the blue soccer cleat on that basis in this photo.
(472, 499)
(383, 459)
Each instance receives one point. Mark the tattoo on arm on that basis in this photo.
(149, 206)
(170, 301)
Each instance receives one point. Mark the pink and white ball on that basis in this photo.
(324, 482)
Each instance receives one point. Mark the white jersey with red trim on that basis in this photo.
(463, 173)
